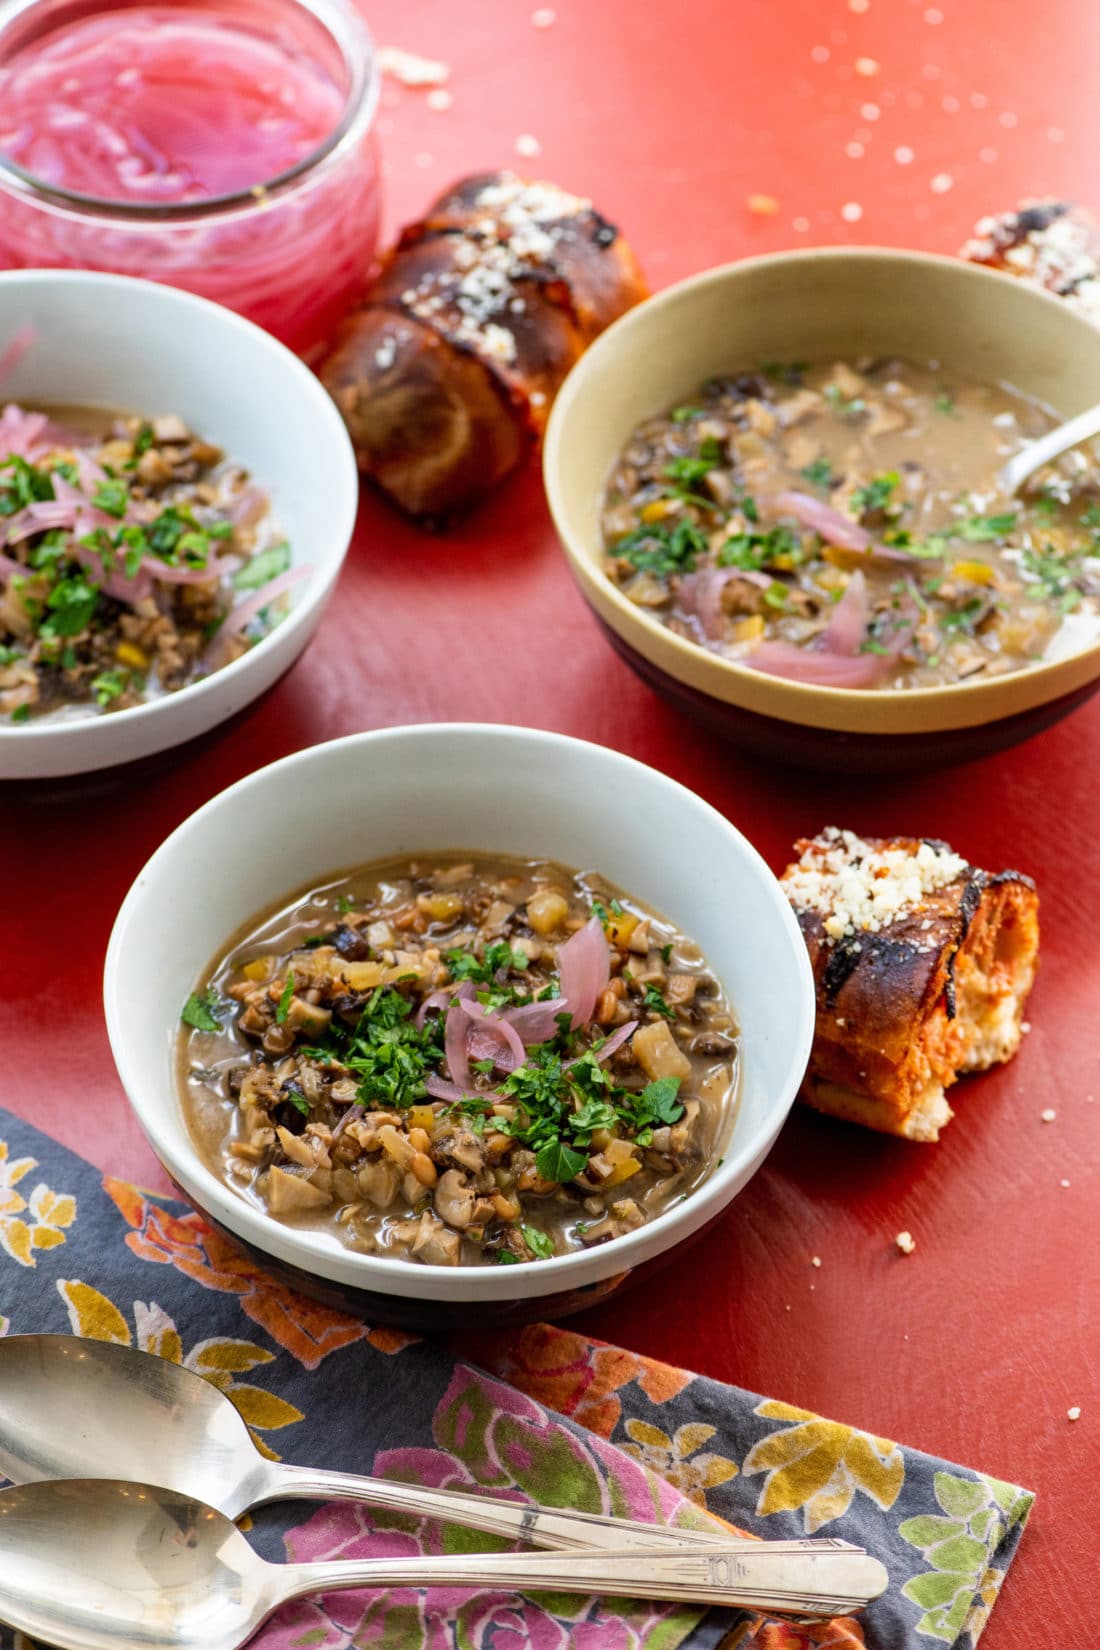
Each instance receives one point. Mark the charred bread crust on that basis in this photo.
(504, 283)
(909, 1002)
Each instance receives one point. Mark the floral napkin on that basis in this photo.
(557, 1418)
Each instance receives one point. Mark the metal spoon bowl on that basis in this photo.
(95, 1564)
(72, 1408)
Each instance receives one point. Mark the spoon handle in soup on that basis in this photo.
(511, 1520)
(830, 1581)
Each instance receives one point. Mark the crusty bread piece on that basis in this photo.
(923, 965)
(1050, 244)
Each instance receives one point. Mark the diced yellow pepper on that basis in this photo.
(547, 909)
(440, 907)
(622, 1171)
(128, 653)
(657, 509)
(421, 1117)
(747, 630)
(785, 564)
(258, 969)
(620, 928)
(974, 572)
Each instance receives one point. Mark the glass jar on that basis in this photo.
(292, 252)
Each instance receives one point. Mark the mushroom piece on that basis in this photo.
(435, 1243)
(289, 1193)
(454, 1199)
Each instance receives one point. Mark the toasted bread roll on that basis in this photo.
(446, 376)
(922, 965)
(1050, 244)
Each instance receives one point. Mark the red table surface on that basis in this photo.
(671, 117)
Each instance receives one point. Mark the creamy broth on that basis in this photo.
(134, 556)
(344, 1064)
(841, 525)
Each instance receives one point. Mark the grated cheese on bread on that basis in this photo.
(923, 965)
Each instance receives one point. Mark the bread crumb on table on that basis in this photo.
(544, 17)
(762, 206)
(906, 1242)
(1074, 1414)
(411, 69)
(528, 146)
(816, 1260)
(1048, 1115)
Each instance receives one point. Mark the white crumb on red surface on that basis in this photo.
(439, 98)
(1064, 1185)
(544, 18)
(815, 1260)
(411, 69)
(1048, 1115)
(867, 67)
(859, 5)
(904, 155)
(1073, 1413)
(906, 1242)
(528, 146)
(869, 111)
(941, 183)
(851, 211)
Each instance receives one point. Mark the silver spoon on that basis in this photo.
(73, 1408)
(93, 1564)
(1037, 453)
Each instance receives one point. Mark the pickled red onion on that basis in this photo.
(456, 1030)
(489, 1028)
(584, 968)
(440, 1089)
(832, 525)
(607, 1049)
(800, 664)
(845, 629)
(442, 999)
(701, 593)
(237, 617)
(537, 1022)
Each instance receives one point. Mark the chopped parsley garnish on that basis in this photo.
(264, 567)
(22, 484)
(112, 497)
(557, 1161)
(198, 1011)
(981, 529)
(944, 404)
(689, 472)
(657, 548)
(538, 1242)
(21, 713)
(776, 595)
(344, 904)
(110, 685)
(143, 440)
(464, 965)
(877, 493)
(681, 415)
(655, 1002)
(820, 473)
(753, 551)
(386, 1051)
(1053, 577)
(297, 1099)
(666, 953)
(606, 912)
(72, 603)
(285, 1000)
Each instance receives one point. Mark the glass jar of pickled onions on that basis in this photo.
(225, 146)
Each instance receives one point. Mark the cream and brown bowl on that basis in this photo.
(833, 303)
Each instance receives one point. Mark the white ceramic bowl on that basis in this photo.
(108, 341)
(430, 789)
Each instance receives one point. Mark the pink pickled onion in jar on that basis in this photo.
(225, 146)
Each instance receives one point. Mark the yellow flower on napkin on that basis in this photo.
(818, 1466)
(678, 1458)
(49, 1213)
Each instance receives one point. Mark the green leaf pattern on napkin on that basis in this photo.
(958, 1592)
